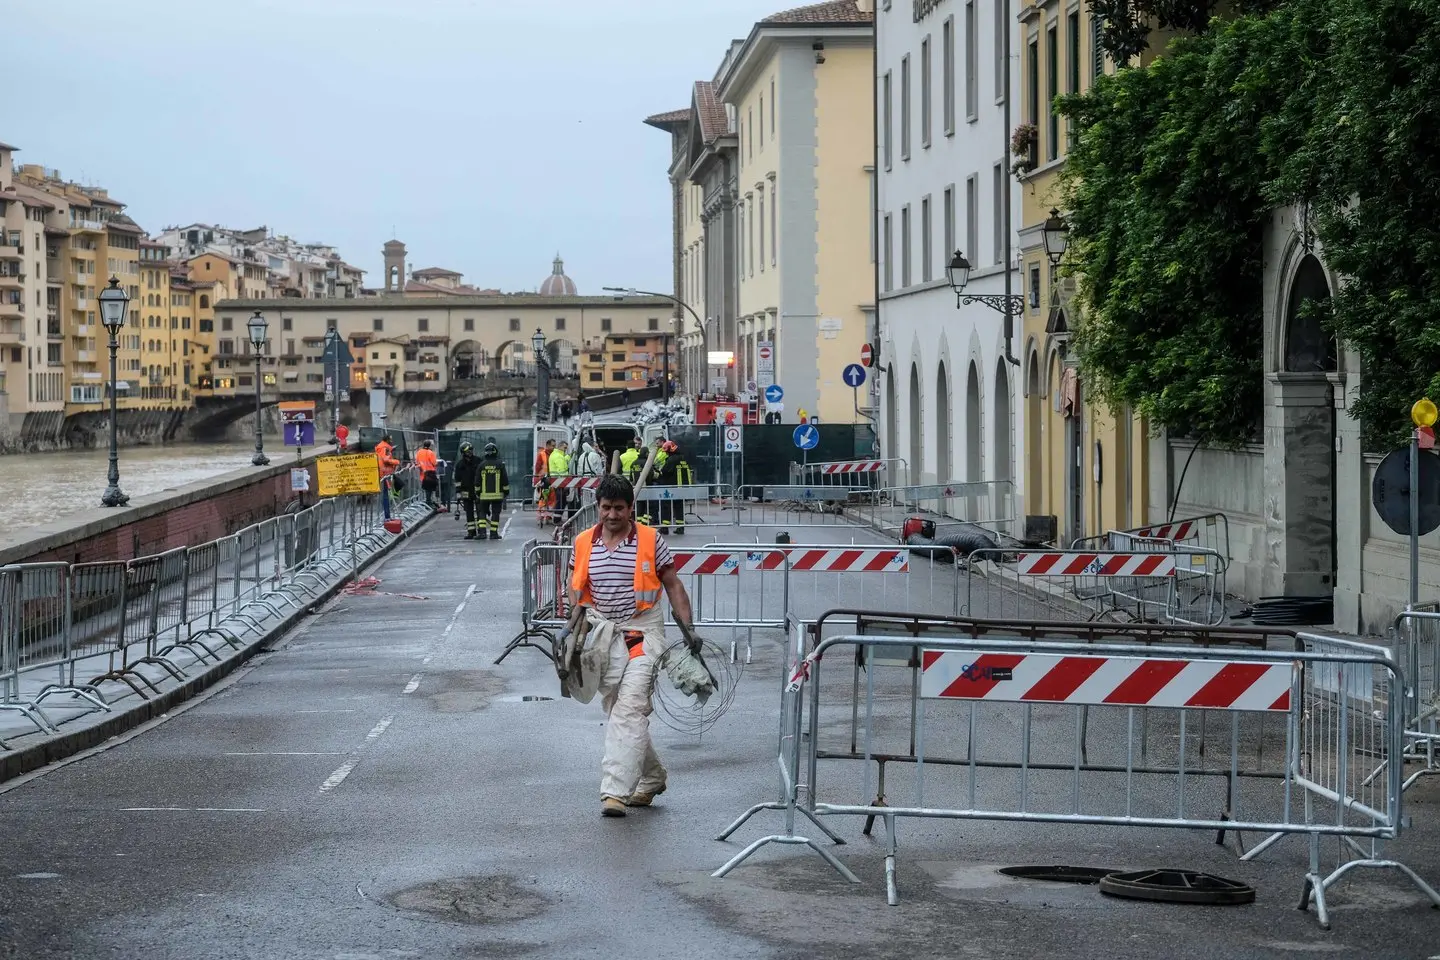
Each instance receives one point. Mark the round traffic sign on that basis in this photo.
(854, 375)
(764, 351)
(807, 437)
(867, 356)
(1390, 491)
(774, 393)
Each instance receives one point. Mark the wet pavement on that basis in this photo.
(372, 786)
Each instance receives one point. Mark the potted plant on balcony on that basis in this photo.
(1025, 149)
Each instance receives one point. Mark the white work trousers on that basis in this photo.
(630, 764)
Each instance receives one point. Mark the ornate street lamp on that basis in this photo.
(114, 304)
(542, 377)
(1056, 235)
(958, 273)
(258, 328)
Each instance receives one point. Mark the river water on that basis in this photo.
(47, 486)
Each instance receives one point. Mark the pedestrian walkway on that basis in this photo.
(372, 787)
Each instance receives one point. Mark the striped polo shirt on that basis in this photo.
(612, 574)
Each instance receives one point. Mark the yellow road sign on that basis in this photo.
(348, 474)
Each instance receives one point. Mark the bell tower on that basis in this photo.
(394, 267)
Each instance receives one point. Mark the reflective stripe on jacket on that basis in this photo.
(385, 454)
(647, 578)
(493, 483)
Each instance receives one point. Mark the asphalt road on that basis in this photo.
(372, 787)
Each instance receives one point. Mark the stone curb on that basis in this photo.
(23, 760)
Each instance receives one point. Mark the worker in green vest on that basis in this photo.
(560, 467)
(630, 461)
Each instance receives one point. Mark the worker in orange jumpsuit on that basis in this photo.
(544, 496)
(429, 465)
(385, 456)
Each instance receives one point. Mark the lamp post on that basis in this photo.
(1056, 238)
(542, 377)
(258, 328)
(114, 304)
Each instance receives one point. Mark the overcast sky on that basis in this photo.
(485, 134)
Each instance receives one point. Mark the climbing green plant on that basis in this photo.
(1178, 164)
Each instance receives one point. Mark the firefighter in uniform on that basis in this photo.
(467, 476)
(630, 461)
(493, 486)
(677, 473)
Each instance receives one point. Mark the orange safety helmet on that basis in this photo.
(669, 446)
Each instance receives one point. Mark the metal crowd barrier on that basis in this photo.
(1152, 581)
(1210, 531)
(1050, 731)
(1417, 636)
(867, 473)
(114, 617)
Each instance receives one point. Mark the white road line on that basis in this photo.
(191, 810)
(338, 777)
(283, 753)
(469, 592)
(378, 729)
(325, 711)
(413, 685)
(506, 529)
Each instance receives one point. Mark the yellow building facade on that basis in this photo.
(1085, 465)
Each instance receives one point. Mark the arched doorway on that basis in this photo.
(974, 419)
(1004, 455)
(917, 447)
(1034, 434)
(513, 358)
(564, 358)
(943, 461)
(1306, 410)
(469, 361)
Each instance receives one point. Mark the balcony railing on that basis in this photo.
(53, 330)
(82, 303)
(79, 223)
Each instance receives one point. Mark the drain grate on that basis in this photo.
(1082, 875)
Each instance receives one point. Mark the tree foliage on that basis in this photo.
(1334, 103)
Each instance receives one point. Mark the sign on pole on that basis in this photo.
(774, 393)
(734, 439)
(854, 375)
(299, 433)
(299, 480)
(807, 437)
(352, 473)
(867, 356)
(765, 363)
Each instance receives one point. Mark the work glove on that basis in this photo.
(693, 642)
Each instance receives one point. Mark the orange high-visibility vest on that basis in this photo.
(385, 453)
(426, 460)
(647, 578)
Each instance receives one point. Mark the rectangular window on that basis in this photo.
(423, 324)
(1001, 45)
(1032, 78)
(887, 250)
(925, 92)
(949, 215)
(997, 177)
(1097, 53)
(652, 323)
(762, 121)
(972, 66)
(1052, 90)
(287, 323)
(469, 324)
(774, 109)
(947, 75)
(1034, 287)
(559, 323)
(905, 246)
(926, 253)
(762, 229)
(750, 134)
(604, 324)
(774, 244)
(226, 322)
(905, 108)
(1072, 69)
(887, 108)
(514, 324)
(972, 220)
(750, 223)
(740, 224)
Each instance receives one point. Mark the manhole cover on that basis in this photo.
(478, 900)
(1177, 886)
(1086, 875)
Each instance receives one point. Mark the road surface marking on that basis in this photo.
(338, 777)
(326, 711)
(191, 810)
(506, 529)
(459, 609)
(37, 876)
(283, 753)
(378, 729)
(413, 685)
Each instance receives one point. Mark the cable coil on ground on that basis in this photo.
(685, 714)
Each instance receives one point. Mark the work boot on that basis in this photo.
(469, 534)
(612, 807)
(665, 531)
(494, 534)
(679, 531)
(641, 799)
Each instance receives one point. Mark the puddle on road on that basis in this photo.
(462, 691)
(475, 900)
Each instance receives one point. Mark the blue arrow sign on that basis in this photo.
(774, 393)
(300, 433)
(807, 437)
(854, 375)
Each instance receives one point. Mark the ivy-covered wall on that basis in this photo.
(1330, 103)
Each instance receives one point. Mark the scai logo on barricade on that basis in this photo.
(984, 672)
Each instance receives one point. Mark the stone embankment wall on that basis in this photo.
(187, 516)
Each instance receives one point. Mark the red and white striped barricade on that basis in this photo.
(1134, 585)
(991, 505)
(868, 473)
(1116, 734)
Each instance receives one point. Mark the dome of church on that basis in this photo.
(557, 284)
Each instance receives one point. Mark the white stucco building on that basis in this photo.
(948, 393)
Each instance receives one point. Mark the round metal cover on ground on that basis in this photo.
(1390, 491)
(1086, 875)
(1177, 886)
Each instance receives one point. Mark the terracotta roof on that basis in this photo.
(435, 272)
(834, 12)
(123, 224)
(669, 118)
(714, 121)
